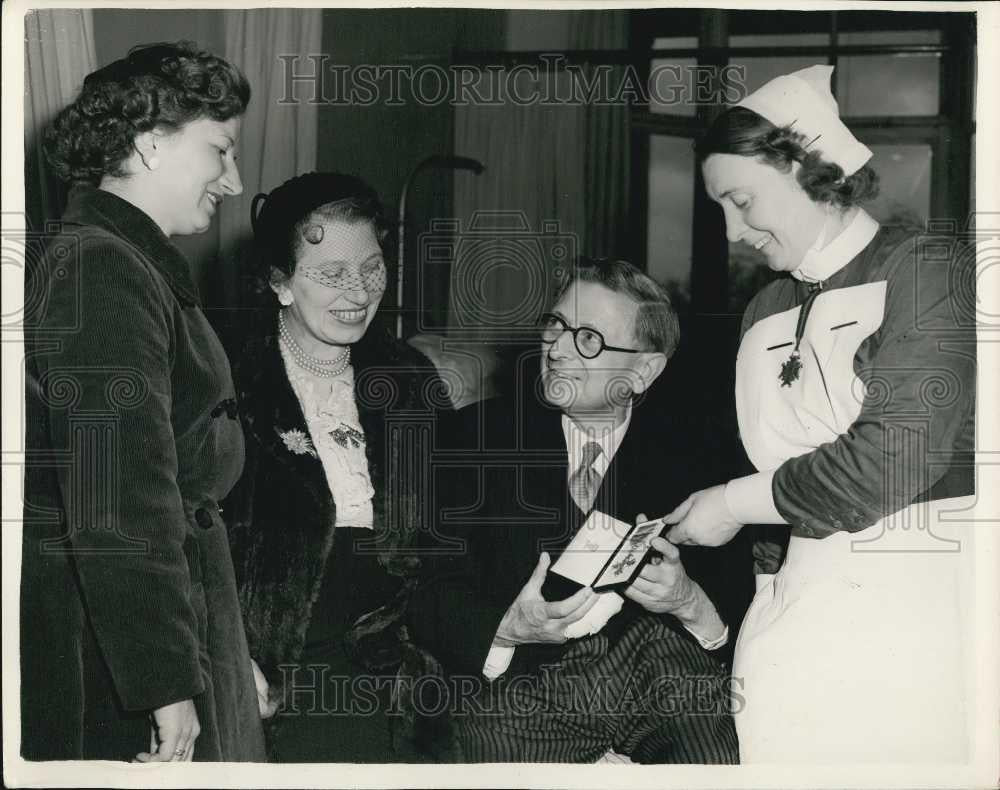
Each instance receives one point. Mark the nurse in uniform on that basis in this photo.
(855, 392)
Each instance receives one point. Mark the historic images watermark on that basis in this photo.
(316, 690)
(553, 81)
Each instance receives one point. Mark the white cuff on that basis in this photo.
(750, 500)
(497, 661)
(607, 606)
(711, 644)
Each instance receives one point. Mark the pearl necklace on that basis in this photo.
(326, 368)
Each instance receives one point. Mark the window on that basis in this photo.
(671, 209)
(905, 85)
(760, 70)
(668, 83)
(915, 77)
(904, 183)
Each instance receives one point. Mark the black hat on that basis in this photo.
(274, 216)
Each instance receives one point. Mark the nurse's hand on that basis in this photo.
(703, 519)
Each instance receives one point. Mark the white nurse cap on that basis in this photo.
(803, 101)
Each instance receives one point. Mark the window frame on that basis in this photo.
(948, 133)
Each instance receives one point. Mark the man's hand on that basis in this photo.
(533, 619)
(703, 519)
(175, 729)
(663, 585)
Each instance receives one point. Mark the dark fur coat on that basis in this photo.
(282, 515)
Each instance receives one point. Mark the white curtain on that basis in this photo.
(279, 139)
(59, 53)
(559, 172)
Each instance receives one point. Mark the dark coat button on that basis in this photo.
(203, 518)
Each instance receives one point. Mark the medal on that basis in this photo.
(792, 366)
(790, 369)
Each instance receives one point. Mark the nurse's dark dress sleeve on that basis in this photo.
(917, 413)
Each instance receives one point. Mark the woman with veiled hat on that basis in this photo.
(855, 394)
(337, 414)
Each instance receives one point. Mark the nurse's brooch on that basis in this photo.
(790, 369)
(792, 366)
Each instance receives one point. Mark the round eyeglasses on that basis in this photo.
(589, 342)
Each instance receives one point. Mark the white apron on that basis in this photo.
(857, 649)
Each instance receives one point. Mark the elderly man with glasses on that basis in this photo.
(543, 667)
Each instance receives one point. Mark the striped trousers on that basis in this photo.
(654, 696)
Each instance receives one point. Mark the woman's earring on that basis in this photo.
(153, 162)
(285, 297)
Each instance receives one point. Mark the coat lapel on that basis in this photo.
(89, 205)
(614, 497)
(547, 484)
(273, 417)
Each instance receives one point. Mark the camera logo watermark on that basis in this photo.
(23, 255)
(501, 270)
(949, 266)
(72, 415)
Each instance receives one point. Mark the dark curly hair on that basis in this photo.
(285, 219)
(154, 86)
(743, 132)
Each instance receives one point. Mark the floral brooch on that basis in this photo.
(298, 442)
(346, 436)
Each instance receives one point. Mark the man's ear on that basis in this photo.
(649, 366)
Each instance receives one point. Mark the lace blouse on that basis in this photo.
(332, 419)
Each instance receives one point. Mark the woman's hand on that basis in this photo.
(266, 706)
(175, 729)
(703, 519)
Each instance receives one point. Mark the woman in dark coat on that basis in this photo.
(339, 419)
(131, 641)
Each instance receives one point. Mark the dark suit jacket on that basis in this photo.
(501, 473)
